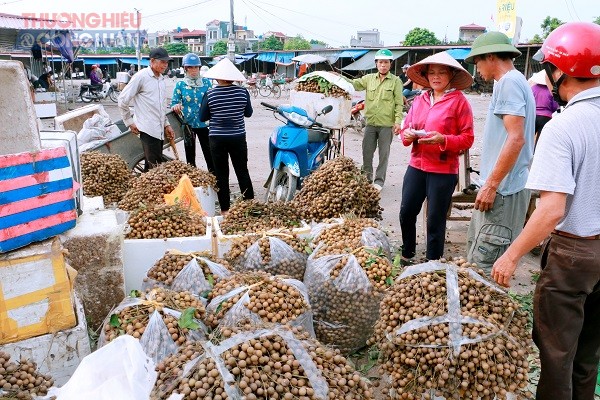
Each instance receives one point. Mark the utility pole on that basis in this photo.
(138, 47)
(231, 41)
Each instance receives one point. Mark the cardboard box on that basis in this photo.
(338, 118)
(56, 354)
(35, 292)
(139, 255)
(222, 243)
(36, 197)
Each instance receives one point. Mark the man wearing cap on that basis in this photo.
(502, 200)
(566, 304)
(383, 112)
(407, 83)
(147, 93)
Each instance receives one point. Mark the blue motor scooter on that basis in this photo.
(296, 149)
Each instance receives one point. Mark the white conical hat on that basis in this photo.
(462, 79)
(224, 70)
(539, 78)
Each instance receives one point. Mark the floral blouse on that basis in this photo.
(191, 99)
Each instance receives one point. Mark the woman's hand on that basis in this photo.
(433, 137)
(410, 135)
(177, 108)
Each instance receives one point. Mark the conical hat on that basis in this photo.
(417, 73)
(224, 70)
(539, 78)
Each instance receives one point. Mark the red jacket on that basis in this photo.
(452, 117)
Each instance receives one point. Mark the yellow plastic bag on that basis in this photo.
(184, 195)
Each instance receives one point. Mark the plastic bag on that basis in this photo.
(191, 278)
(279, 258)
(147, 321)
(344, 302)
(185, 195)
(221, 313)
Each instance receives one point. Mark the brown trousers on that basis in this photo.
(566, 325)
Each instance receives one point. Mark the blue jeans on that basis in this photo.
(409, 93)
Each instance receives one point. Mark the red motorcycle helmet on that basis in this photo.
(574, 49)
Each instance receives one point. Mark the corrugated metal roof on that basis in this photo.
(367, 62)
(9, 21)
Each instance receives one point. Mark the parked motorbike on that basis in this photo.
(89, 93)
(356, 115)
(296, 149)
(408, 101)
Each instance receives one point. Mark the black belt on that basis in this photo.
(570, 235)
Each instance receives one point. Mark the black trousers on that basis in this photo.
(190, 148)
(566, 318)
(153, 150)
(221, 149)
(437, 189)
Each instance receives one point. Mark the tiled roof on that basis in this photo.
(9, 21)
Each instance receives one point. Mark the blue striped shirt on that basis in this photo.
(226, 107)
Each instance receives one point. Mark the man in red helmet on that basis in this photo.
(565, 170)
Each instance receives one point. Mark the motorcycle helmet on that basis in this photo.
(384, 54)
(573, 48)
(203, 70)
(191, 60)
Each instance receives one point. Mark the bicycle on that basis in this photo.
(267, 87)
(250, 85)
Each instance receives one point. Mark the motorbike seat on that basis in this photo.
(318, 135)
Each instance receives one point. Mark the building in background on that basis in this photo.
(194, 39)
(370, 38)
(468, 33)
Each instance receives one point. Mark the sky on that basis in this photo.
(331, 21)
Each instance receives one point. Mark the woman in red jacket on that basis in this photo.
(439, 126)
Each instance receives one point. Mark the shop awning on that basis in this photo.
(99, 61)
(367, 61)
(458, 54)
(276, 57)
(352, 53)
(144, 61)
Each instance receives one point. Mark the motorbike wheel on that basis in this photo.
(253, 91)
(283, 186)
(264, 91)
(87, 96)
(113, 95)
(276, 91)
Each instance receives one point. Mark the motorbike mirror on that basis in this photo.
(327, 109)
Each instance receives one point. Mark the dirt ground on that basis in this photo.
(260, 126)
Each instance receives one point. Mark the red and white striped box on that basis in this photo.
(36, 197)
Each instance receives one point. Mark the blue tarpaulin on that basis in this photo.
(458, 54)
(276, 57)
(352, 53)
(144, 61)
(99, 61)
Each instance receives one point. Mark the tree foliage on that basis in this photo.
(296, 43)
(270, 43)
(319, 42)
(219, 48)
(420, 37)
(549, 24)
(537, 39)
(597, 20)
(176, 48)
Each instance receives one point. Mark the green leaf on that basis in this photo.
(211, 280)
(307, 249)
(219, 307)
(135, 293)
(389, 280)
(370, 261)
(114, 321)
(397, 260)
(186, 320)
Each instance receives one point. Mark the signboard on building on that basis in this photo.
(507, 21)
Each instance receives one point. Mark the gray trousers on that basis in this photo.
(491, 232)
(376, 137)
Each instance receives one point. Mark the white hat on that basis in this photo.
(224, 70)
(539, 78)
(462, 79)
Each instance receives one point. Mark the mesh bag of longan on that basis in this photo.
(160, 330)
(446, 331)
(194, 272)
(350, 232)
(345, 289)
(276, 252)
(258, 298)
(269, 363)
(22, 379)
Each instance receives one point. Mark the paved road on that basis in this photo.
(260, 126)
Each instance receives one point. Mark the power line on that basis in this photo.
(177, 9)
(257, 14)
(574, 10)
(296, 26)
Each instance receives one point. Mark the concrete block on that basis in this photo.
(73, 120)
(18, 120)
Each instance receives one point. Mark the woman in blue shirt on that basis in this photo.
(186, 101)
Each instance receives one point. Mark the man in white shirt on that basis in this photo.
(147, 93)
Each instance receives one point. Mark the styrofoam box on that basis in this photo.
(67, 139)
(222, 243)
(139, 255)
(207, 198)
(56, 354)
(338, 118)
